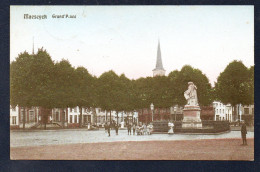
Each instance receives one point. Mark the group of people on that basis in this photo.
(137, 129)
(108, 127)
(144, 129)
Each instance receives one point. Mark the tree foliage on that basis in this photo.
(35, 80)
(235, 84)
(179, 83)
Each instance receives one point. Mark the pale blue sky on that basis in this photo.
(125, 38)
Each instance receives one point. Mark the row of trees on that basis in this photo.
(36, 80)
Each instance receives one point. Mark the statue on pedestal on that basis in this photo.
(191, 95)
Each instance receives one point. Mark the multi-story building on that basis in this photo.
(14, 117)
(228, 113)
(248, 112)
(32, 116)
(222, 112)
(74, 116)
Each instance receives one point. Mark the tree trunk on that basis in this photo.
(159, 114)
(106, 116)
(235, 112)
(110, 118)
(116, 117)
(24, 115)
(45, 120)
(67, 118)
(62, 117)
(132, 117)
(80, 117)
(123, 117)
(94, 115)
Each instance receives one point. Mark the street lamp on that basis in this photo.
(175, 110)
(152, 108)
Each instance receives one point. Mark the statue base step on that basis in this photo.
(191, 117)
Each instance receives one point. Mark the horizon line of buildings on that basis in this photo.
(217, 112)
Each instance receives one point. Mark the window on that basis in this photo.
(217, 117)
(85, 120)
(246, 110)
(75, 119)
(31, 116)
(14, 120)
(57, 116)
(71, 119)
(21, 116)
(13, 109)
(75, 109)
(70, 109)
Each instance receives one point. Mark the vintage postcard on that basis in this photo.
(132, 83)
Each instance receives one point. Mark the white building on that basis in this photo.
(228, 110)
(14, 116)
(222, 112)
(74, 115)
(71, 116)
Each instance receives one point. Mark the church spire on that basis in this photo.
(159, 58)
(159, 70)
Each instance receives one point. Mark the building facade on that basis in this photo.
(248, 112)
(14, 117)
(222, 112)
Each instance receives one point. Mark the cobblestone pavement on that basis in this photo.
(206, 149)
(61, 137)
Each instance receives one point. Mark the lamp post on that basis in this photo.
(175, 110)
(152, 108)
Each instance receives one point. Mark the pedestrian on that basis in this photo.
(129, 128)
(105, 127)
(145, 129)
(116, 128)
(134, 127)
(108, 129)
(243, 133)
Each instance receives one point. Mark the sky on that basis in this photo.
(125, 38)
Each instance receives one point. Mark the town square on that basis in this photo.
(156, 83)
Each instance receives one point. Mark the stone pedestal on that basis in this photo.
(191, 117)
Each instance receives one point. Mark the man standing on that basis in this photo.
(105, 127)
(108, 129)
(116, 128)
(129, 128)
(243, 133)
(134, 129)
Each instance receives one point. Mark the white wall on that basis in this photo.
(14, 113)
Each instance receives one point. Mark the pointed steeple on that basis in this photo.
(159, 64)
(159, 70)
